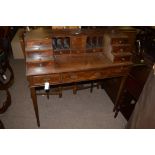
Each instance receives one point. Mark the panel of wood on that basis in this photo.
(40, 80)
(78, 43)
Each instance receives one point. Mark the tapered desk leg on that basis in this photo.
(35, 105)
(116, 105)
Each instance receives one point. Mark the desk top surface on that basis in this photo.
(71, 63)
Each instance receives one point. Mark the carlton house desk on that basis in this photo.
(57, 57)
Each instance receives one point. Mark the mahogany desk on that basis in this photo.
(72, 64)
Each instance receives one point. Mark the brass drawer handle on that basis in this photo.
(123, 59)
(47, 79)
(120, 41)
(121, 50)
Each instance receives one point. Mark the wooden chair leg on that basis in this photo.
(91, 87)
(60, 91)
(98, 85)
(75, 89)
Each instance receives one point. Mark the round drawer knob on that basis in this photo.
(46, 79)
(123, 59)
(121, 50)
(40, 64)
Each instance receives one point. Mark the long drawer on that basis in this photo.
(93, 74)
(40, 80)
(78, 76)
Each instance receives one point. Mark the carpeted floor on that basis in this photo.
(84, 110)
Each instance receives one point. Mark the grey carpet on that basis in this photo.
(84, 110)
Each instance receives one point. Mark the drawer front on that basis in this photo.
(80, 76)
(59, 52)
(38, 42)
(77, 51)
(38, 45)
(39, 54)
(78, 43)
(119, 59)
(119, 41)
(89, 50)
(40, 80)
(114, 71)
(93, 75)
(121, 49)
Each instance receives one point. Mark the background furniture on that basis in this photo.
(134, 86)
(6, 80)
(6, 72)
(143, 59)
(132, 89)
(1, 125)
(58, 57)
(16, 45)
(143, 115)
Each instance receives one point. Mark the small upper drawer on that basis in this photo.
(91, 50)
(38, 42)
(78, 42)
(38, 45)
(119, 40)
(122, 58)
(121, 49)
(37, 55)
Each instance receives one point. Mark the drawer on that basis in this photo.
(39, 54)
(121, 49)
(113, 72)
(97, 50)
(119, 40)
(78, 43)
(38, 42)
(79, 76)
(38, 45)
(40, 80)
(125, 70)
(91, 50)
(91, 75)
(122, 58)
(59, 52)
(77, 51)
